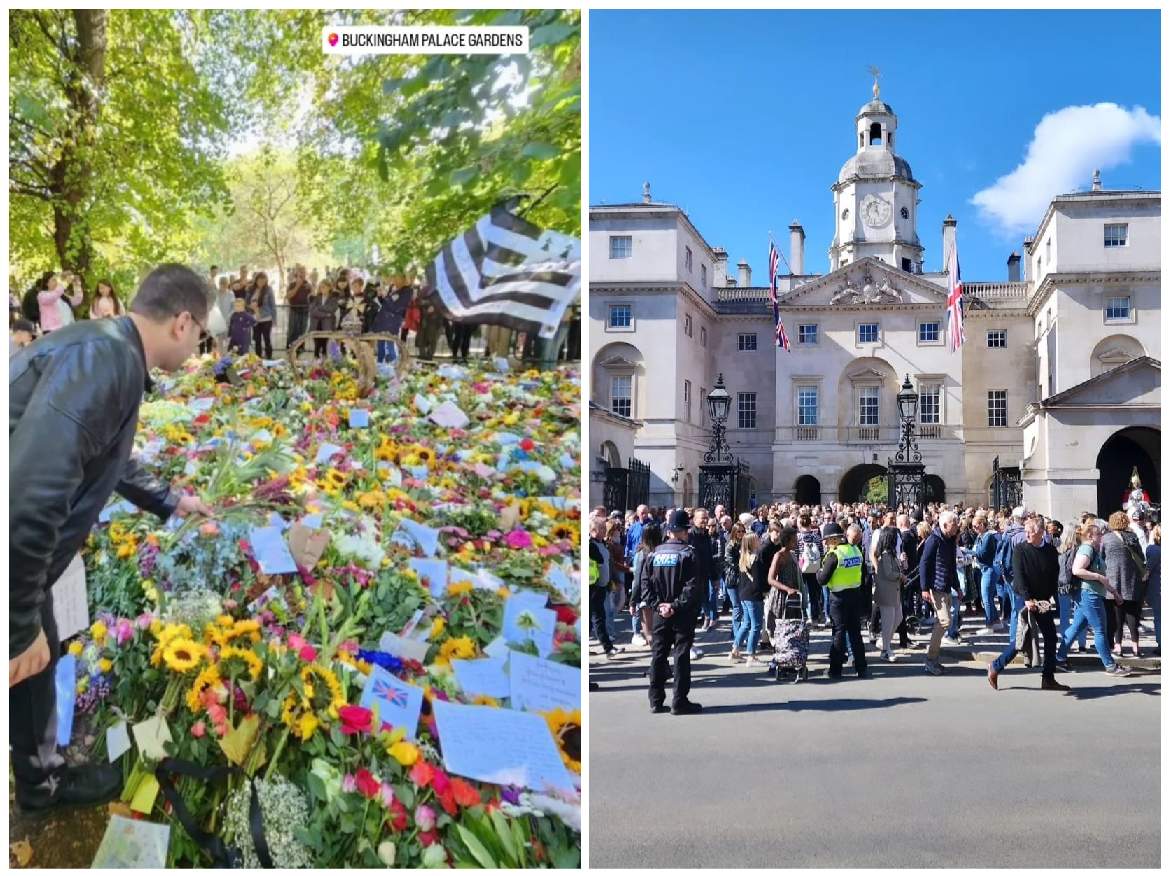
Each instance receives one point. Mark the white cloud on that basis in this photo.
(1067, 146)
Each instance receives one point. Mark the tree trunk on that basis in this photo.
(72, 175)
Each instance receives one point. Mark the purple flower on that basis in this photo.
(510, 794)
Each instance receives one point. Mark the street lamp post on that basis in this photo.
(721, 475)
(907, 472)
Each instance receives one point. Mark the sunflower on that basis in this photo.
(244, 628)
(336, 696)
(485, 700)
(459, 588)
(206, 679)
(299, 717)
(562, 530)
(371, 500)
(183, 655)
(253, 663)
(426, 455)
(566, 729)
(461, 648)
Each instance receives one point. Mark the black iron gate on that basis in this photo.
(1007, 487)
(616, 488)
(638, 484)
(726, 484)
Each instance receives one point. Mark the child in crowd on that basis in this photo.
(240, 329)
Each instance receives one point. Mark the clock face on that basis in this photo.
(875, 211)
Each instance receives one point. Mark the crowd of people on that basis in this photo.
(863, 567)
(245, 311)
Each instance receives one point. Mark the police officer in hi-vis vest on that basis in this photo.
(672, 590)
(841, 573)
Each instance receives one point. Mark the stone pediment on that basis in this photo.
(866, 374)
(1137, 382)
(869, 283)
(617, 360)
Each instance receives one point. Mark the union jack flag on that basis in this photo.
(773, 271)
(955, 333)
(385, 691)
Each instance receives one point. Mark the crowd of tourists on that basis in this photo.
(668, 574)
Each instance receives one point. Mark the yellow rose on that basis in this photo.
(98, 631)
(75, 649)
(404, 752)
(105, 665)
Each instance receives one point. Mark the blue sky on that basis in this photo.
(745, 118)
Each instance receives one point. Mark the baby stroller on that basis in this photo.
(790, 641)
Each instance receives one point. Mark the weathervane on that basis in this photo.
(875, 73)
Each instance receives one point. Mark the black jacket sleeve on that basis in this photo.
(146, 491)
(1019, 575)
(690, 575)
(828, 565)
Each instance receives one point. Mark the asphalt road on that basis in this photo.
(901, 770)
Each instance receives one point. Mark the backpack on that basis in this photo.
(1003, 558)
(30, 308)
(1065, 579)
(985, 549)
(810, 557)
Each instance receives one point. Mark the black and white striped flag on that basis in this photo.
(506, 271)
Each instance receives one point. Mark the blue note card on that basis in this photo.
(398, 703)
(271, 551)
(359, 418)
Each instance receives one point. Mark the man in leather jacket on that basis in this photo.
(72, 415)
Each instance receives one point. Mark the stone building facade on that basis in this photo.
(668, 315)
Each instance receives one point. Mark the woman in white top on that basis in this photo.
(105, 302)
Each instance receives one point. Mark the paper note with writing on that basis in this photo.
(423, 404)
(529, 599)
(449, 416)
(488, 677)
(485, 580)
(359, 418)
(424, 536)
(271, 551)
(400, 646)
(568, 586)
(433, 572)
(497, 648)
(501, 746)
(132, 844)
(398, 703)
(541, 685)
(117, 741)
(70, 603)
(527, 624)
(326, 452)
(151, 735)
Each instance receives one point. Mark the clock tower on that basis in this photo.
(875, 198)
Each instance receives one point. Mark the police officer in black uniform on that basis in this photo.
(672, 590)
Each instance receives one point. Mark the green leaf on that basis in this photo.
(475, 847)
(506, 839)
(464, 175)
(317, 786)
(540, 150)
(549, 34)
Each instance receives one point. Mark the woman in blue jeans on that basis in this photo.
(1070, 600)
(985, 544)
(731, 576)
(1089, 567)
(753, 587)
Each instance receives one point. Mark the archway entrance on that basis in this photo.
(1137, 445)
(856, 486)
(808, 490)
(935, 489)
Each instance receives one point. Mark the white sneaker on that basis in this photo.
(987, 631)
(638, 641)
(696, 653)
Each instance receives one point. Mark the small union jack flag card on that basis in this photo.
(397, 702)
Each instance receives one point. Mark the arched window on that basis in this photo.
(875, 134)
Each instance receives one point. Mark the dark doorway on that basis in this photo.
(808, 490)
(936, 490)
(855, 483)
(1135, 446)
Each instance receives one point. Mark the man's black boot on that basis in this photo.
(71, 787)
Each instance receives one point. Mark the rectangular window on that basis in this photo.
(747, 343)
(703, 335)
(747, 410)
(1117, 308)
(687, 400)
(621, 395)
(806, 334)
(688, 259)
(1048, 250)
(997, 407)
(621, 315)
(867, 410)
(867, 333)
(997, 339)
(929, 397)
(703, 274)
(929, 332)
(806, 406)
(621, 246)
(702, 406)
(1116, 234)
(688, 327)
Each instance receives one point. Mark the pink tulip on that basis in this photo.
(199, 730)
(424, 817)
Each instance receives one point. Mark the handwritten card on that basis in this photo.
(397, 702)
(359, 418)
(117, 741)
(132, 844)
(150, 736)
(423, 404)
(568, 587)
(540, 685)
(424, 536)
(400, 646)
(488, 677)
(501, 746)
(326, 452)
(449, 416)
(498, 648)
(271, 551)
(433, 573)
(527, 624)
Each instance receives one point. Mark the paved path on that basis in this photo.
(902, 770)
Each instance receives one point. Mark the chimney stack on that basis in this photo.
(796, 247)
(719, 267)
(1096, 180)
(745, 273)
(1014, 268)
(948, 241)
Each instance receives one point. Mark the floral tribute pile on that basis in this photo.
(209, 660)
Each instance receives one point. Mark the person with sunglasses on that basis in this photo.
(72, 414)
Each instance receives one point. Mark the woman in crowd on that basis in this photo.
(888, 580)
(1121, 549)
(651, 538)
(753, 585)
(105, 302)
(322, 316)
(731, 573)
(983, 560)
(618, 567)
(1154, 584)
(1069, 598)
(784, 579)
(713, 584)
(1089, 566)
(225, 303)
(262, 303)
(57, 302)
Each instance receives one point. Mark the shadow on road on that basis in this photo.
(1149, 688)
(842, 705)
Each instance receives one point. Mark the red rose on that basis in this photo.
(441, 782)
(398, 818)
(464, 793)
(566, 614)
(422, 773)
(447, 801)
(367, 785)
(428, 838)
(527, 445)
(355, 719)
